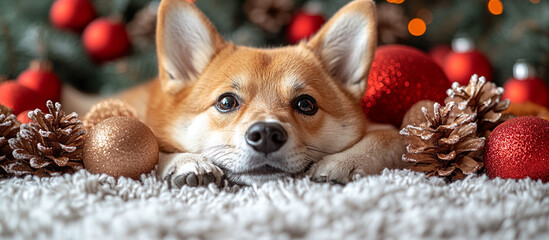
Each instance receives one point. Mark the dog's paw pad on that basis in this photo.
(192, 170)
(330, 172)
(190, 180)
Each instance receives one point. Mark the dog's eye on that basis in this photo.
(227, 102)
(305, 104)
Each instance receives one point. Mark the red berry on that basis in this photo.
(41, 79)
(105, 39)
(20, 98)
(72, 14)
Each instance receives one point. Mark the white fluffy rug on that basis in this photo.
(395, 204)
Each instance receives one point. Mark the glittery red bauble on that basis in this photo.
(41, 79)
(460, 66)
(439, 53)
(527, 90)
(399, 77)
(105, 39)
(71, 14)
(303, 25)
(20, 98)
(519, 148)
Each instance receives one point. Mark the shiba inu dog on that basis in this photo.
(249, 115)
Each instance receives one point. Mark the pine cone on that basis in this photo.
(483, 99)
(443, 146)
(270, 15)
(52, 143)
(107, 109)
(9, 126)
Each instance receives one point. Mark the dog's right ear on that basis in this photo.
(186, 42)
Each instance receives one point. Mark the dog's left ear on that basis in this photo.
(346, 45)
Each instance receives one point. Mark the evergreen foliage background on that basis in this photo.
(522, 31)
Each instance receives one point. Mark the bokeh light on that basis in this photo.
(495, 7)
(417, 27)
(396, 1)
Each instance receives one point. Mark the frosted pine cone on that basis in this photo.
(443, 146)
(52, 143)
(482, 98)
(9, 126)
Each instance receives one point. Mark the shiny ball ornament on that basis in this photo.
(519, 148)
(40, 78)
(72, 14)
(526, 86)
(121, 146)
(399, 77)
(303, 25)
(439, 53)
(105, 39)
(464, 61)
(20, 98)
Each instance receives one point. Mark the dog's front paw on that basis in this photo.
(192, 170)
(338, 172)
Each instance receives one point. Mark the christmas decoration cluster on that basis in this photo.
(55, 143)
(107, 46)
(449, 142)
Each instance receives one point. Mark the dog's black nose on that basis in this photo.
(266, 137)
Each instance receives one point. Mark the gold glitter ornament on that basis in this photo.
(121, 146)
(107, 109)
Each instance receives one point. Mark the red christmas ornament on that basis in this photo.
(23, 117)
(303, 25)
(519, 148)
(399, 77)
(20, 98)
(71, 14)
(40, 78)
(464, 61)
(439, 53)
(525, 86)
(105, 39)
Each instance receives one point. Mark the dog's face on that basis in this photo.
(261, 114)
